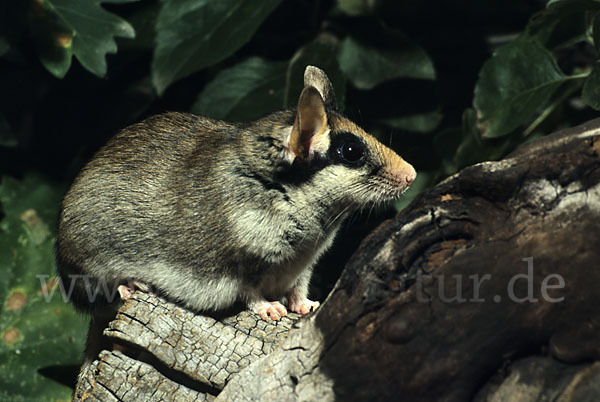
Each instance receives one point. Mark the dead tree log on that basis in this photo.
(483, 289)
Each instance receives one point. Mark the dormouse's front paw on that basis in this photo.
(269, 310)
(303, 306)
(125, 291)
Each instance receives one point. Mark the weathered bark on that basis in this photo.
(444, 302)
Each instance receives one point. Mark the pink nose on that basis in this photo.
(409, 179)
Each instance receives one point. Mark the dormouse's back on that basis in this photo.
(159, 141)
(138, 167)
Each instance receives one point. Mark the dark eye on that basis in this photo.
(351, 152)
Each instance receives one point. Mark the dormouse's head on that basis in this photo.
(349, 164)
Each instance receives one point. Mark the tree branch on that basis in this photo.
(484, 287)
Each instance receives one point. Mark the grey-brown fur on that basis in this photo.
(209, 212)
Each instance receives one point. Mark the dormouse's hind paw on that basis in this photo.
(125, 291)
(304, 306)
(269, 310)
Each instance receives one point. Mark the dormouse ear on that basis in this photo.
(311, 122)
(315, 77)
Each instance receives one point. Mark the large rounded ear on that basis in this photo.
(311, 122)
(315, 77)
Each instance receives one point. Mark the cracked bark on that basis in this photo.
(482, 289)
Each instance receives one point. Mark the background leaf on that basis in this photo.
(591, 88)
(33, 333)
(367, 67)
(8, 138)
(563, 22)
(83, 26)
(53, 37)
(596, 32)
(419, 123)
(193, 34)
(244, 92)
(357, 7)
(4, 46)
(514, 84)
(473, 148)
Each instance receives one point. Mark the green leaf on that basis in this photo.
(319, 53)
(193, 34)
(418, 123)
(357, 7)
(4, 46)
(368, 67)
(471, 149)
(570, 3)
(53, 39)
(514, 84)
(562, 23)
(446, 141)
(596, 32)
(474, 149)
(63, 28)
(143, 21)
(244, 92)
(591, 88)
(35, 332)
(8, 138)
